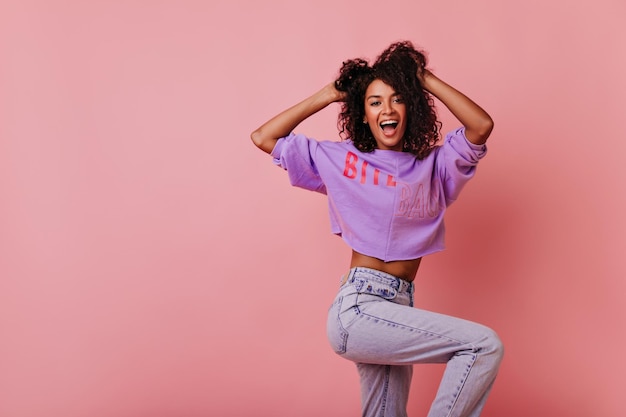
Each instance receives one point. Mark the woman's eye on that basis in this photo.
(375, 103)
(399, 100)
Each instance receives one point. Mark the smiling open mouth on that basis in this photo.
(389, 126)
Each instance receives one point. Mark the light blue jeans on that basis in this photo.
(372, 322)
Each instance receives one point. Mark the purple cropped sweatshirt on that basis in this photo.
(385, 204)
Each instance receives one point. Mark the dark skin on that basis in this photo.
(405, 270)
(478, 125)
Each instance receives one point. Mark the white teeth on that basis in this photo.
(388, 122)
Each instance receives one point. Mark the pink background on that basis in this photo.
(154, 263)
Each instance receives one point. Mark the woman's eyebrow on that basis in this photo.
(379, 96)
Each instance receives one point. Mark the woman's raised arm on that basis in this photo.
(478, 124)
(282, 124)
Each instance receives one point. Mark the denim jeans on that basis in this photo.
(372, 322)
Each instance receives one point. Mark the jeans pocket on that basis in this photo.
(336, 333)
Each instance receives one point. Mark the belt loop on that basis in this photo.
(404, 285)
(347, 278)
(351, 274)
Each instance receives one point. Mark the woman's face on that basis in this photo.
(385, 113)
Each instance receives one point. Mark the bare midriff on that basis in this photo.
(405, 270)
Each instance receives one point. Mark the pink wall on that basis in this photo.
(154, 263)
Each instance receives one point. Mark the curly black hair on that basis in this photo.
(397, 66)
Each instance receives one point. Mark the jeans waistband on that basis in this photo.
(373, 274)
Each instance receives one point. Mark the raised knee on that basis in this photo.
(492, 345)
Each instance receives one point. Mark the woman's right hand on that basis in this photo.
(334, 93)
(282, 124)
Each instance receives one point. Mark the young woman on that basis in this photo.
(388, 185)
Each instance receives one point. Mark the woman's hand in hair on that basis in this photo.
(423, 75)
(336, 94)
